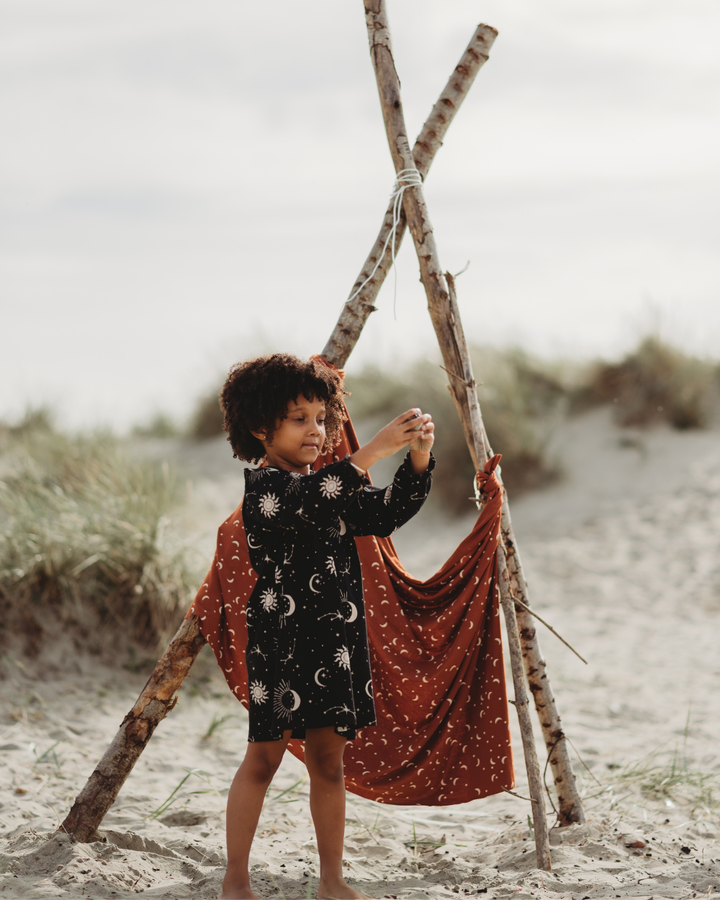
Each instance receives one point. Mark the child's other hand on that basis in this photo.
(425, 435)
(413, 429)
(408, 430)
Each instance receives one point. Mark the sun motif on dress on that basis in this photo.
(331, 487)
(285, 701)
(258, 692)
(269, 505)
(268, 599)
(330, 565)
(293, 486)
(342, 658)
(388, 494)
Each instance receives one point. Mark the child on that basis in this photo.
(307, 654)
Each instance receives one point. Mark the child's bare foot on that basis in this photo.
(338, 889)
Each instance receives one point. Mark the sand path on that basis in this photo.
(624, 560)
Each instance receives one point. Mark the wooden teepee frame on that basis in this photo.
(528, 667)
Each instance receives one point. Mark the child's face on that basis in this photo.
(298, 437)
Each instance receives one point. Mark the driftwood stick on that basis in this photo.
(549, 627)
(356, 312)
(532, 766)
(153, 704)
(570, 808)
(446, 320)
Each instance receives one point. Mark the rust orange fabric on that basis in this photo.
(439, 683)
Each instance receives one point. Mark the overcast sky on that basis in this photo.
(183, 184)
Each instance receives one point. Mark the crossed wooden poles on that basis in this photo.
(158, 695)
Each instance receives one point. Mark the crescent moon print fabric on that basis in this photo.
(438, 677)
(307, 654)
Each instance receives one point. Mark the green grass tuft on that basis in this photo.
(207, 419)
(676, 780)
(86, 544)
(521, 400)
(656, 383)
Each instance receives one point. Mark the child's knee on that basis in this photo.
(261, 764)
(325, 764)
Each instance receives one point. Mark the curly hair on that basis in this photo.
(256, 395)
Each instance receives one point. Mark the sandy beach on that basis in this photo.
(623, 558)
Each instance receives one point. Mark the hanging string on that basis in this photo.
(405, 178)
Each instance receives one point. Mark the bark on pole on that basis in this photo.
(357, 310)
(445, 318)
(153, 704)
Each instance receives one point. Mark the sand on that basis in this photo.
(623, 558)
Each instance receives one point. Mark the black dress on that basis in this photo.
(307, 653)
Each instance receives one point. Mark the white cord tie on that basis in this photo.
(405, 178)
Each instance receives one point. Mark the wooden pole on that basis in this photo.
(357, 310)
(446, 321)
(570, 808)
(570, 805)
(158, 696)
(154, 703)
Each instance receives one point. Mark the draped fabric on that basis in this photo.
(436, 654)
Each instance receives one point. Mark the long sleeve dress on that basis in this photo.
(307, 654)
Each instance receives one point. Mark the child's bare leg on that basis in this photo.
(324, 760)
(244, 805)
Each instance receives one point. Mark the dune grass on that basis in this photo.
(677, 780)
(86, 543)
(523, 399)
(655, 383)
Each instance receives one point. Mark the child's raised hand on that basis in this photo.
(425, 435)
(412, 429)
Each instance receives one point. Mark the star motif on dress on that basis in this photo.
(333, 615)
(291, 654)
(331, 487)
(258, 692)
(269, 505)
(343, 709)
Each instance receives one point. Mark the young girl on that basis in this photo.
(307, 654)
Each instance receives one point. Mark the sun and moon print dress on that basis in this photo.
(307, 655)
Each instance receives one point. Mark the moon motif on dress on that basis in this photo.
(353, 611)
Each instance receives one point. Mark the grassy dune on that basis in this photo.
(522, 399)
(85, 542)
